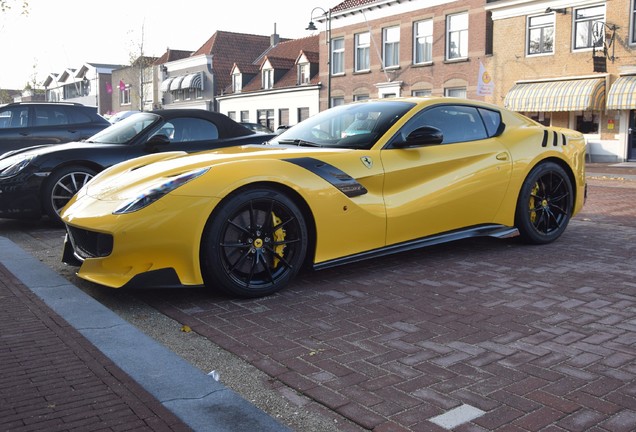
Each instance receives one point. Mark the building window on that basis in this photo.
(337, 101)
(304, 74)
(232, 115)
(237, 83)
(391, 46)
(124, 95)
(588, 28)
(540, 117)
(587, 123)
(421, 93)
(360, 97)
(303, 114)
(423, 41)
(458, 92)
(363, 44)
(337, 56)
(268, 78)
(245, 116)
(541, 34)
(198, 93)
(457, 36)
(266, 118)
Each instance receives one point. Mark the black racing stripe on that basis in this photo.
(339, 179)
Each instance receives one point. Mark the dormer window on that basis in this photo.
(237, 83)
(304, 75)
(268, 78)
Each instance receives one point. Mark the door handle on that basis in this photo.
(502, 156)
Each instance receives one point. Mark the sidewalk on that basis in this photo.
(69, 363)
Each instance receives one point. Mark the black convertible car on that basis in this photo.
(39, 181)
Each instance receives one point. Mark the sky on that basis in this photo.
(60, 34)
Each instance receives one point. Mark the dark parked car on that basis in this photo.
(40, 180)
(25, 124)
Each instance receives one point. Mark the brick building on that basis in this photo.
(570, 64)
(385, 48)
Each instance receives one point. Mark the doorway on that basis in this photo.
(631, 136)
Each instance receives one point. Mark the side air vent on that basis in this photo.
(544, 143)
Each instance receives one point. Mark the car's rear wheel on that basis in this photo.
(60, 187)
(545, 204)
(254, 243)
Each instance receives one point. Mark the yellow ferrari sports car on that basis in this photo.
(354, 182)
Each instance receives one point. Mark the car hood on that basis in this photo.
(53, 148)
(128, 179)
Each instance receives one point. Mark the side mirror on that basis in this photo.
(425, 135)
(158, 140)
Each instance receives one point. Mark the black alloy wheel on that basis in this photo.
(254, 243)
(545, 204)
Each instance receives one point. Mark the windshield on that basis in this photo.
(357, 126)
(125, 130)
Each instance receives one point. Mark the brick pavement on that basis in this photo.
(526, 338)
(53, 379)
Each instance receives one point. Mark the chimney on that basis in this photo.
(274, 38)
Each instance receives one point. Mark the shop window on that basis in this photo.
(544, 118)
(587, 123)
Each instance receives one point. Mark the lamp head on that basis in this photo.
(311, 26)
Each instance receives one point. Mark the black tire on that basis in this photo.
(60, 187)
(253, 244)
(544, 207)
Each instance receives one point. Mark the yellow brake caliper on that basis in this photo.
(279, 236)
(533, 212)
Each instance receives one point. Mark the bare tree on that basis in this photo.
(140, 73)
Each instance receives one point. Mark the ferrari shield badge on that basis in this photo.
(367, 161)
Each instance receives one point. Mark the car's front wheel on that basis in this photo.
(254, 243)
(545, 204)
(60, 187)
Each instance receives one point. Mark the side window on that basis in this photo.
(77, 116)
(14, 117)
(492, 120)
(194, 129)
(50, 116)
(457, 123)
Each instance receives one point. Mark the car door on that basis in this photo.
(437, 188)
(52, 125)
(15, 130)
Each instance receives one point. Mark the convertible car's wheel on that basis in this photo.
(60, 188)
(254, 243)
(545, 204)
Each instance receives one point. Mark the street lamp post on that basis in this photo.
(312, 26)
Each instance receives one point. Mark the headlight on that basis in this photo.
(153, 194)
(14, 164)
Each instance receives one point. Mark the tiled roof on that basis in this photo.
(283, 57)
(172, 55)
(349, 4)
(232, 48)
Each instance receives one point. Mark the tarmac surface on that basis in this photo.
(478, 335)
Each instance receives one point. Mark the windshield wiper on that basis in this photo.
(299, 142)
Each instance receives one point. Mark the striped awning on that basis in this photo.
(176, 82)
(622, 94)
(550, 96)
(194, 81)
(165, 84)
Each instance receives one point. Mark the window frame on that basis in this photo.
(237, 83)
(427, 59)
(337, 66)
(267, 79)
(362, 50)
(541, 27)
(464, 37)
(394, 44)
(590, 30)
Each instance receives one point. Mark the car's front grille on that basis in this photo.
(90, 244)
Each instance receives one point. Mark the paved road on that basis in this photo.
(479, 335)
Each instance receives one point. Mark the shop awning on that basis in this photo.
(194, 81)
(622, 94)
(550, 96)
(165, 84)
(176, 82)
